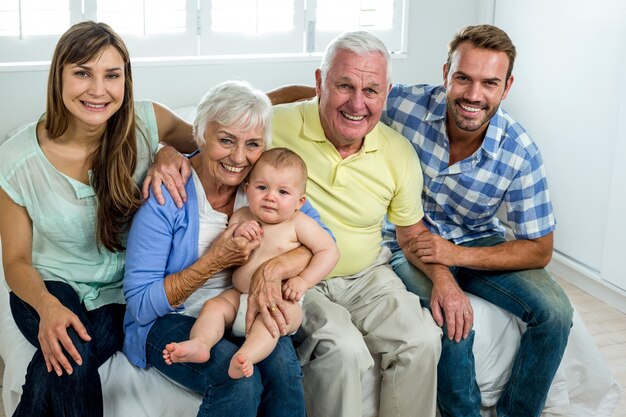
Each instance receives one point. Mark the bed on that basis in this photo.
(584, 385)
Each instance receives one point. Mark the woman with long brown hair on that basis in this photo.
(68, 190)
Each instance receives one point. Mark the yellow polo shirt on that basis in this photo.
(354, 194)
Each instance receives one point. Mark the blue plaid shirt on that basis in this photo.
(461, 201)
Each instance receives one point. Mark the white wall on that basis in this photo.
(431, 24)
(569, 93)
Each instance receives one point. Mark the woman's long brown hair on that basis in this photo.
(114, 161)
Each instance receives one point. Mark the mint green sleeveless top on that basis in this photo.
(63, 213)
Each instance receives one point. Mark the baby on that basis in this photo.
(275, 190)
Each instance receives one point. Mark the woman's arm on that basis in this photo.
(224, 252)
(173, 130)
(290, 93)
(173, 169)
(25, 282)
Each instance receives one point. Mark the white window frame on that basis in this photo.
(213, 43)
(37, 47)
(177, 44)
(199, 43)
(395, 38)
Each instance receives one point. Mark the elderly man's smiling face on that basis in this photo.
(352, 97)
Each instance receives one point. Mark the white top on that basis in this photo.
(212, 224)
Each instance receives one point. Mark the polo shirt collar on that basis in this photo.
(313, 125)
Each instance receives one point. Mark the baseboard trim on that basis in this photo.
(587, 280)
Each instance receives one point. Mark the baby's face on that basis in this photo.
(275, 194)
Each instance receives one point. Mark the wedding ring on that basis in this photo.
(466, 313)
(273, 309)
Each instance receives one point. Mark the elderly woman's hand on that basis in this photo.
(230, 250)
(265, 298)
(250, 229)
(225, 252)
(265, 295)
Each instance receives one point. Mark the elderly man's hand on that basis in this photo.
(169, 168)
(450, 302)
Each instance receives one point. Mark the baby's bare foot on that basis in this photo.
(189, 351)
(240, 366)
(167, 353)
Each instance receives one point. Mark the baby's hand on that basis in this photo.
(250, 229)
(294, 288)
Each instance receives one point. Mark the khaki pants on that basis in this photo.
(347, 318)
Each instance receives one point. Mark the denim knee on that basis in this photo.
(232, 397)
(461, 349)
(282, 367)
(88, 353)
(281, 375)
(553, 308)
(249, 388)
(557, 315)
(282, 363)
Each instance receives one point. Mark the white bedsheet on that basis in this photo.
(584, 386)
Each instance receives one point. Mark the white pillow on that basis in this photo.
(186, 113)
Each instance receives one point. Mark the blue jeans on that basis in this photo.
(531, 295)
(79, 394)
(274, 390)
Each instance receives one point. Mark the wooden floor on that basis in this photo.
(606, 325)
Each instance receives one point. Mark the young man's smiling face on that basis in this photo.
(476, 84)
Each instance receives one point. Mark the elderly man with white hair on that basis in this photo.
(360, 171)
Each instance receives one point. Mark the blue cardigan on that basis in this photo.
(162, 240)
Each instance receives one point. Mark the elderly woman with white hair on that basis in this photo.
(177, 258)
